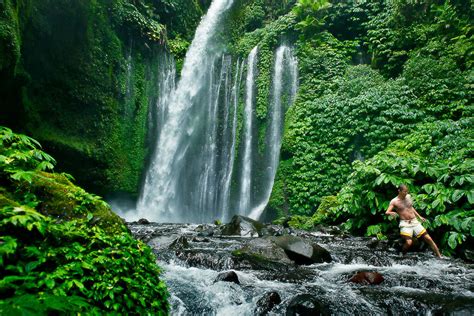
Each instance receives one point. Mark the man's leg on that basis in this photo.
(432, 244)
(407, 244)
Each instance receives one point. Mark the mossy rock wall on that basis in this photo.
(80, 76)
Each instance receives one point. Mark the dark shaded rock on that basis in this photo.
(273, 230)
(143, 221)
(205, 231)
(262, 253)
(302, 251)
(468, 255)
(365, 277)
(267, 302)
(180, 243)
(242, 226)
(215, 260)
(229, 276)
(381, 245)
(306, 305)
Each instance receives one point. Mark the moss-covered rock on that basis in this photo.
(62, 249)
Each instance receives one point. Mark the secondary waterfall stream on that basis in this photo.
(285, 64)
(244, 200)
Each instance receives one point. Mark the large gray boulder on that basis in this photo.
(262, 253)
(266, 303)
(228, 276)
(302, 251)
(306, 305)
(242, 226)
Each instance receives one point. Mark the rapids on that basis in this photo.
(417, 283)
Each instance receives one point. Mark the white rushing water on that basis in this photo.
(165, 195)
(192, 175)
(413, 284)
(228, 157)
(285, 63)
(244, 200)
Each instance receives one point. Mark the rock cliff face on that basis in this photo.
(81, 78)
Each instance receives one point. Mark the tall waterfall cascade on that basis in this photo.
(169, 192)
(285, 63)
(244, 200)
(205, 165)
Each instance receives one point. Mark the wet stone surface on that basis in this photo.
(193, 256)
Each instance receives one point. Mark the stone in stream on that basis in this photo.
(179, 243)
(301, 251)
(197, 239)
(306, 305)
(263, 254)
(143, 221)
(229, 276)
(366, 277)
(205, 231)
(266, 303)
(242, 226)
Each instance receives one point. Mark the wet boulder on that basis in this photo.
(205, 231)
(229, 276)
(207, 259)
(179, 243)
(266, 303)
(242, 226)
(367, 278)
(274, 230)
(302, 251)
(143, 221)
(306, 305)
(263, 254)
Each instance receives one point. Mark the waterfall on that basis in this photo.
(244, 200)
(285, 63)
(170, 190)
(228, 155)
(208, 183)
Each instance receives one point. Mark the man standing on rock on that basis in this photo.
(409, 223)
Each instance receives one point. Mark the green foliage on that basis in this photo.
(10, 50)
(20, 156)
(324, 135)
(436, 162)
(138, 16)
(81, 260)
(311, 15)
(394, 28)
(71, 266)
(440, 85)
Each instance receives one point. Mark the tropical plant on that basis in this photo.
(81, 260)
(436, 163)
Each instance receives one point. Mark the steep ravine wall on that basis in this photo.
(80, 77)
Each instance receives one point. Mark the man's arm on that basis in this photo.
(390, 211)
(418, 215)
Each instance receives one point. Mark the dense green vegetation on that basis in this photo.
(62, 250)
(374, 77)
(80, 78)
(372, 74)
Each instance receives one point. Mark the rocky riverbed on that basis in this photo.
(247, 268)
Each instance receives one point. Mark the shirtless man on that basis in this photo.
(409, 224)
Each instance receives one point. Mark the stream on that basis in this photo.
(193, 256)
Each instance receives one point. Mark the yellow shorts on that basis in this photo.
(410, 227)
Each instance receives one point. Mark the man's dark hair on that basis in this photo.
(401, 187)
